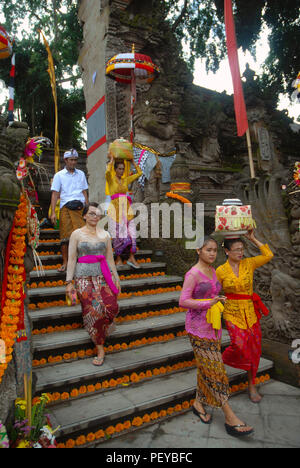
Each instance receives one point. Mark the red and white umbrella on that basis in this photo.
(5, 44)
(129, 68)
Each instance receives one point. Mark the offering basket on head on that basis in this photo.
(233, 219)
(121, 149)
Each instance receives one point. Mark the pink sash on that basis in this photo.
(104, 269)
(117, 195)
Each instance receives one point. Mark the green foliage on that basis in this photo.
(201, 24)
(33, 95)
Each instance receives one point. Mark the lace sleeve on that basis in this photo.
(72, 255)
(186, 297)
(265, 257)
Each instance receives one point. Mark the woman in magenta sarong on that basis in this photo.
(96, 280)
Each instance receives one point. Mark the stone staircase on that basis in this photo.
(149, 371)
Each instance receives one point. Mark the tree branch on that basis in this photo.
(181, 16)
(70, 78)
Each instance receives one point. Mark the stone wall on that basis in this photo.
(174, 113)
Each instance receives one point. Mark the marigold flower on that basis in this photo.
(110, 430)
(127, 424)
(99, 434)
(70, 443)
(81, 440)
(146, 418)
(90, 437)
(119, 427)
(137, 421)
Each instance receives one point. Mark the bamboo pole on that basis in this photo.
(28, 395)
(252, 172)
(29, 404)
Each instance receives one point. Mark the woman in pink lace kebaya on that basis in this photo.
(212, 382)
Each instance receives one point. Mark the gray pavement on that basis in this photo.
(276, 420)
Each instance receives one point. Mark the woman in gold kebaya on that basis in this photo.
(243, 309)
(122, 225)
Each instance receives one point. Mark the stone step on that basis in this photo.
(122, 270)
(81, 372)
(100, 410)
(126, 285)
(131, 305)
(49, 234)
(55, 259)
(128, 330)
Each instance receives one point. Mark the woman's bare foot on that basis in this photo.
(254, 396)
(118, 261)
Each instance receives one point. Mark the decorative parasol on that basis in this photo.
(5, 44)
(296, 84)
(5, 52)
(129, 68)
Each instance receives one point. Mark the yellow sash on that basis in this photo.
(214, 314)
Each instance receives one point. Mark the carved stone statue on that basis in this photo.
(279, 281)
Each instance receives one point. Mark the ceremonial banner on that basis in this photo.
(239, 102)
(11, 90)
(53, 86)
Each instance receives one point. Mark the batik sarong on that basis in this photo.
(99, 307)
(212, 380)
(69, 220)
(244, 351)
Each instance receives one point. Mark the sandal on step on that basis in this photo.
(197, 413)
(98, 361)
(231, 430)
(133, 265)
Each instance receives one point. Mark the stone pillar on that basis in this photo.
(92, 60)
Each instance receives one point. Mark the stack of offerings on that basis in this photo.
(233, 219)
(121, 149)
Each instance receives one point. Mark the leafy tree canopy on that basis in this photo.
(201, 24)
(59, 23)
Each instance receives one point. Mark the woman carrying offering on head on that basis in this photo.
(120, 213)
(91, 265)
(200, 295)
(243, 309)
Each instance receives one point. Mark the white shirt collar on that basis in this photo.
(68, 172)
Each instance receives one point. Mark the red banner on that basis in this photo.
(239, 102)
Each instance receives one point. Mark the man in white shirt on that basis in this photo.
(70, 185)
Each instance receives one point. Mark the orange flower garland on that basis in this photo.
(138, 421)
(125, 380)
(12, 302)
(108, 349)
(178, 197)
